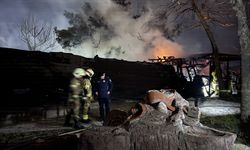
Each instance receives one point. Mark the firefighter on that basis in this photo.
(74, 103)
(214, 85)
(103, 88)
(234, 83)
(88, 96)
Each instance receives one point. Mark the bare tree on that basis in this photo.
(244, 34)
(37, 36)
(189, 14)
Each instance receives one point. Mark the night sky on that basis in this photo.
(12, 12)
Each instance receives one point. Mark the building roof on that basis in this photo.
(223, 56)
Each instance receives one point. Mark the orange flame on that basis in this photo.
(166, 48)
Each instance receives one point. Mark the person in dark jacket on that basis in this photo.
(197, 89)
(102, 89)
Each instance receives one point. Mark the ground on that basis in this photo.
(23, 132)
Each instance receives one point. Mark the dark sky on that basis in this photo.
(12, 12)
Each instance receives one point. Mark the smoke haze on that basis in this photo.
(133, 40)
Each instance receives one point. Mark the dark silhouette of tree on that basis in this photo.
(85, 25)
(244, 34)
(37, 35)
(186, 15)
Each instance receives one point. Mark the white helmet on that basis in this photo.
(89, 72)
(79, 72)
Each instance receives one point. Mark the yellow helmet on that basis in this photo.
(89, 72)
(79, 72)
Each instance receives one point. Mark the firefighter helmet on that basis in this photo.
(89, 72)
(79, 72)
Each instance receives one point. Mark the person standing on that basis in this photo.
(103, 89)
(197, 89)
(214, 85)
(234, 83)
(88, 96)
(74, 100)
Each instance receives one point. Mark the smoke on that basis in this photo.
(131, 39)
(6, 36)
(3, 42)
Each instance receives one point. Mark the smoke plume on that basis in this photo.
(132, 38)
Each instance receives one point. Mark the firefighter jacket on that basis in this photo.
(87, 87)
(75, 89)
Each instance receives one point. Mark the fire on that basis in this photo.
(163, 47)
(160, 52)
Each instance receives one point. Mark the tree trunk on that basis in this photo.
(155, 130)
(211, 38)
(104, 138)
(244, 35)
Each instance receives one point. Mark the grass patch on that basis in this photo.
(230, 123)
